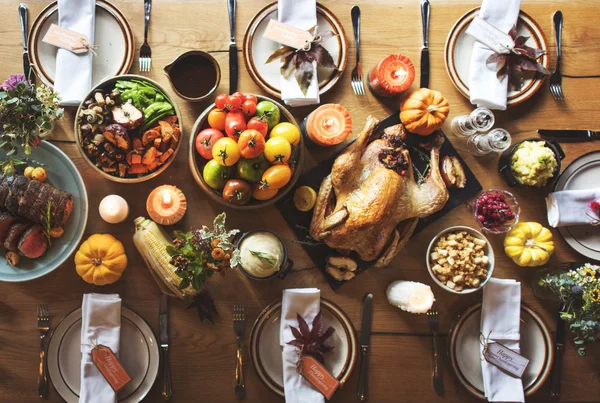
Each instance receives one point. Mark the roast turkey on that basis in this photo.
(370, 203)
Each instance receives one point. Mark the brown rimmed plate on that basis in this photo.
(459, 47)
(265, 350)
(536, 345)
(113, 36)
(258, 49)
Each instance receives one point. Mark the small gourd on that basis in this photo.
(101, 259)
(424, 111)
(529, 244)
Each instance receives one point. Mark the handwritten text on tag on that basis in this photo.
(110, 367)
(490, 36)
(287, 35)
(67, 39)
(506, 359)
(315, 373)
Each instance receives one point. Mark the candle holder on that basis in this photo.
(166, 205)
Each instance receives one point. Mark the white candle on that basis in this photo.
(113, 209)
(410, 296)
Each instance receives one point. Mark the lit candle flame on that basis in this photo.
(166, 197)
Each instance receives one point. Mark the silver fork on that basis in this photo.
(556, 77)
(357, 83)
(433, 321)
(145, 51)
(238, 326)
(43, 324)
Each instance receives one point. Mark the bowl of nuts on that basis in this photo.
(460, 260)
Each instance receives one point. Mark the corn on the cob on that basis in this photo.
(151, 242)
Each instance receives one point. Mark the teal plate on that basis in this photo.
(63, 175)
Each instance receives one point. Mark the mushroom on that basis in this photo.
(99, 97)
(88, 102)
(89, 115)
(115, 95)
(109, 101)
(86, 129)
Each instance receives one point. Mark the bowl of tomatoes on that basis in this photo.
(246, 151)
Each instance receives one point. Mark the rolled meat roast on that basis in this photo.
(29, 199)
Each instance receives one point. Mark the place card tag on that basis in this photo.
(287, 35)
(315, 373)
(110, 367)
(67, 39)
(507, 360)
(490, 36)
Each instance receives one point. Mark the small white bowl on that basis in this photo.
(488, 251)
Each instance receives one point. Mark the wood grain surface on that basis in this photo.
(203, 355)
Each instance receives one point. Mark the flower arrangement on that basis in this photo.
(579, 291)
(27, 113)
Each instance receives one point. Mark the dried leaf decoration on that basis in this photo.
(312, 342)
(521, 58)
(299, 61)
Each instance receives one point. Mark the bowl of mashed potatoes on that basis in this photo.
(532, 163)
(263, 255)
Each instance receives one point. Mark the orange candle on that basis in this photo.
(166, 205)
(392, 75)
(328, 125)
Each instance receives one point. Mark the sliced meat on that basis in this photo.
(33, 242)
(28, 198)
(6, 220)
(14, 235)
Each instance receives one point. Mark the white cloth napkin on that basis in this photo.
(300, 14)
(571, 207)
(307, 303)
(100, 324)
(484, 87)
(73, 77)
(501, 314)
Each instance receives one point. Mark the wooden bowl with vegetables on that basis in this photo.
(129, 129)
(246, 151)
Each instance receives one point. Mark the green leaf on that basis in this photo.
(3, 95)
(304, 75)
(12, 101)
(172, 251)
(185, 283)
(267, 259)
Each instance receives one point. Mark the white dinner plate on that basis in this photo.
(112, 36)
(536, 345)
(138, 353)
(258, 49)
(583, 173)
(265, 349)
(459, 47)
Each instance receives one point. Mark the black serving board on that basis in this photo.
(300, 221)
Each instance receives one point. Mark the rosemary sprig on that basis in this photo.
(267, 259)
(47, 221)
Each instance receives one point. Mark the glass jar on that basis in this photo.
(496, 141)
(480, 120)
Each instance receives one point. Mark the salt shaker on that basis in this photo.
(480, 120)
(496, 141)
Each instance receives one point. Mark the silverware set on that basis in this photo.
(357, 83)
(23, 17)
(163, 323)
(233, 56)
(433, 321)
(425, 11)
(43, 325)
(239, 321)
(145, 60)
(365, 337)
(556, 77)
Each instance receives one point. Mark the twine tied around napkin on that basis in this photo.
(485, 342)
(86, 45)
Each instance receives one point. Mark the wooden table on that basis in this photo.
(203, 355)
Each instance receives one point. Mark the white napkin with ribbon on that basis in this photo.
(100, 324)
(501, 315)
(571, 207)
(484, 87)
(300, 14)
(73, 77)
(307, 303)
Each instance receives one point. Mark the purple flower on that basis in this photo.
(11, 83)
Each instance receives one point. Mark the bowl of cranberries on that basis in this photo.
(496, 211)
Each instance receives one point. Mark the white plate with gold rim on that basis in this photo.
(265, 350)
(138, 353)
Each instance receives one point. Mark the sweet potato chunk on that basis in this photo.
(138, 169)
(136, 159)
(166, 155)
(171, 119)
(150, 156)
(149, 136)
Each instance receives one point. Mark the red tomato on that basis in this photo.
(251, 143)
(205, 141)
(234, 102)
(258, 124)
(249, 108)
(251, 97)
(235, 123)
(221, 100)
(239, 94)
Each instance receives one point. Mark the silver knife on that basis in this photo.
(24, 26)
(163, 324)
(233, 56)
(559, 343)
(365, 336)
(425, 9)
(569, 134)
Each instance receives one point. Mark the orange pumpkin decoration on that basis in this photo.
(424, 111)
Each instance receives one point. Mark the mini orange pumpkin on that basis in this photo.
(424, 111)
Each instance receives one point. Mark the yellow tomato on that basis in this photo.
(278, 150)
(263, 193)
(226, 152)
(288, 131)
(276, 176)
(216, 119)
